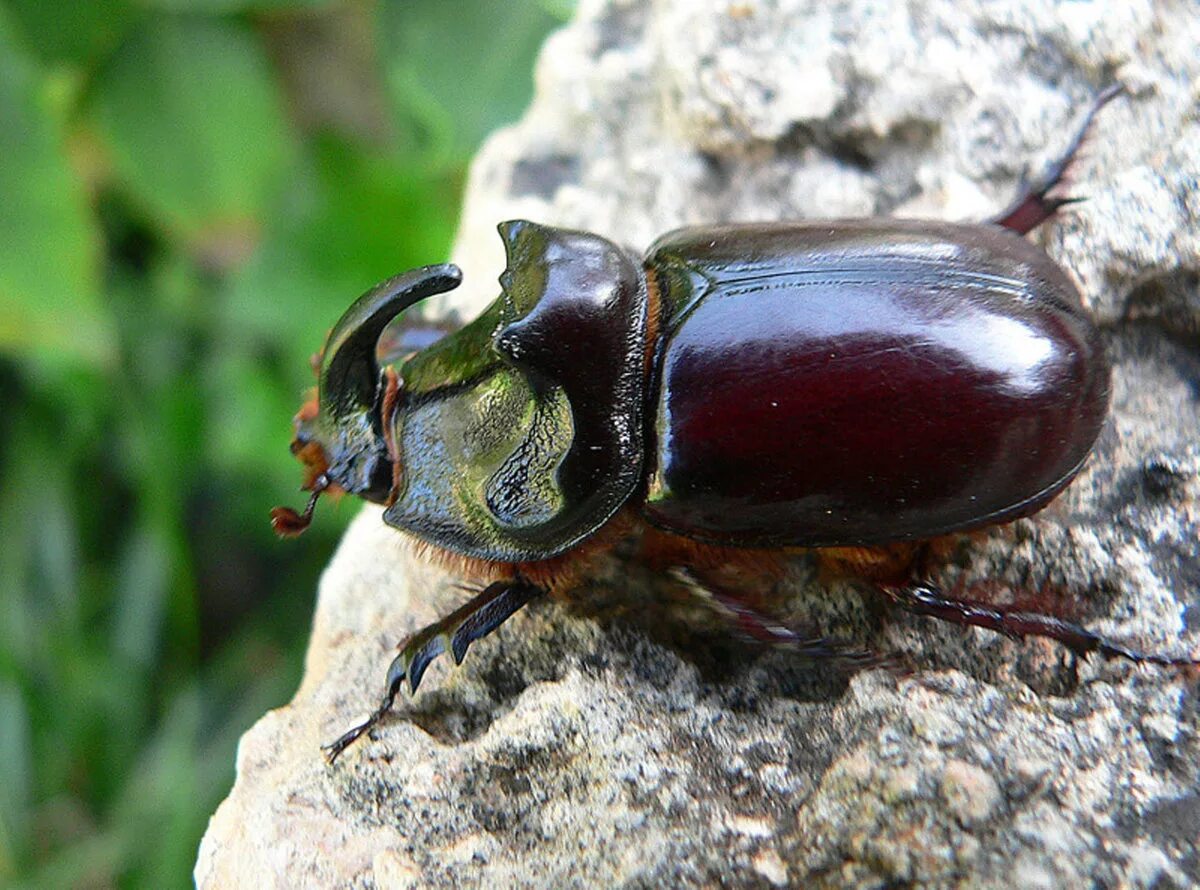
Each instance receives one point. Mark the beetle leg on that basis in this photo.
(763, 628)
(925, 599)
(454, 634)
(1035, 204)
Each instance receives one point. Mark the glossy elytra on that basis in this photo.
(864, 385)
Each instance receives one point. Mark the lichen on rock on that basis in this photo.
(623, 739)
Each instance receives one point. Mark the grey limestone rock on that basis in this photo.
(623, 739)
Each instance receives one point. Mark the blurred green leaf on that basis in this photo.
(252, 419)
(56, 543)
(560, 9)
(355, 218)
(226, 6)
(196, 132)
(15, 775)
(142, 589)
(18, 498)
(157, 804)
(49, 248)
(73, 31)
(461, 76)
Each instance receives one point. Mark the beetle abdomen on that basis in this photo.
(865, 381)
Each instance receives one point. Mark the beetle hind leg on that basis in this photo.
(926, 599)
(1036, 203)
(454, 634)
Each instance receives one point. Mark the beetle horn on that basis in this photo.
(349, 371)
(338, 436)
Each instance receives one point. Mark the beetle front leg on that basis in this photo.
(1035, 204)
(926, 599)
(454, 634)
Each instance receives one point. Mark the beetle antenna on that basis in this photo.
(287, 522)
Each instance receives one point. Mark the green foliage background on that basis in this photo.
(190, 193)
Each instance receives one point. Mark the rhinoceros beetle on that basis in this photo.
(860, 386)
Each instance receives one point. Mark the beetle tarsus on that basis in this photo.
(1035, 204)
(762, 628)
(348, 738)
(926, 599)
(472, 621)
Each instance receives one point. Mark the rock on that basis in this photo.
(970, 793)
(622, 738)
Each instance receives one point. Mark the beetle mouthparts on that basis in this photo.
(288, 523)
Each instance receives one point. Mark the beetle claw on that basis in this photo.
(345, 740)
(454, 634)
(418, 655)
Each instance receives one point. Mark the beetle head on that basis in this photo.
(340, 433)
(520, 433)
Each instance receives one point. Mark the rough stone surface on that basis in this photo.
(621, 739)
